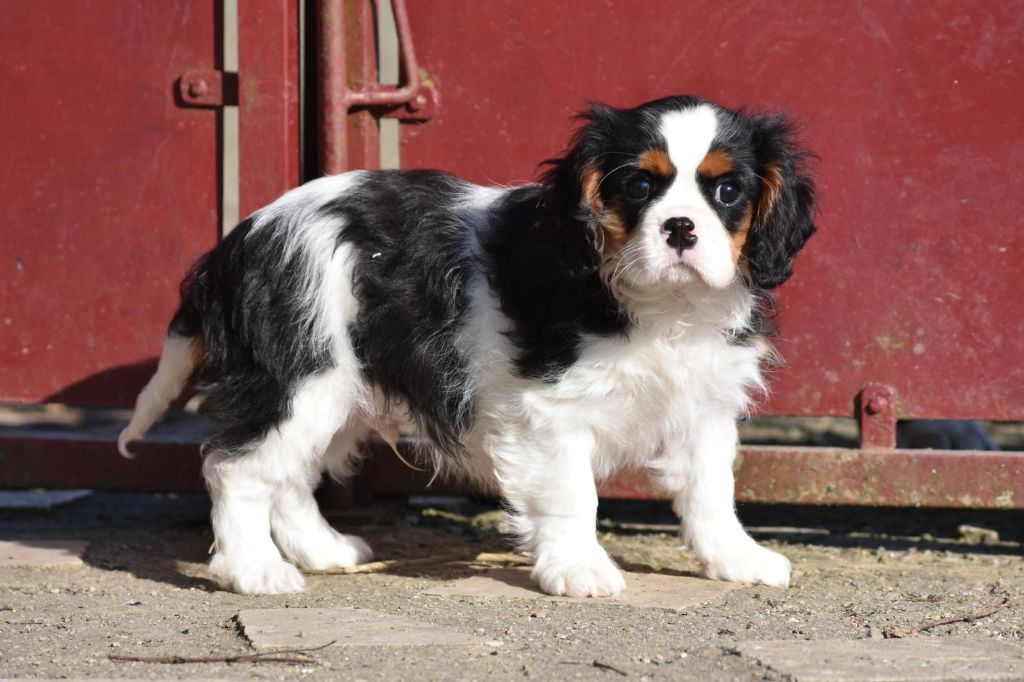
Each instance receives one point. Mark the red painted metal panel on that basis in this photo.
(915, 109)
(108, 188)
(268, 74)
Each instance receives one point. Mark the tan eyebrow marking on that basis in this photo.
(716, 162)
(656, 161)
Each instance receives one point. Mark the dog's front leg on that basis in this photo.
(696, 470)
(554, 510)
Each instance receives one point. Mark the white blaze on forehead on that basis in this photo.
(688, 135)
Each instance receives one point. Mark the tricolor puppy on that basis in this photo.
(542, 336)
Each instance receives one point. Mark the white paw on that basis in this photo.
(589, 573)
(255, 576)
(749, 563)
(336, 551)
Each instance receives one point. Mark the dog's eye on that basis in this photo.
(727, 193)
(638, 189)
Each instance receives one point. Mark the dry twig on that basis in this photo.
(288, 656)
(599, 665)
(896, 632)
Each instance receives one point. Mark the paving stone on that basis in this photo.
(917, 659)
(39, 499)
(41, 553)
(645, 590)
(307, 627)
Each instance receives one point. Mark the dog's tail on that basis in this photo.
(176, 365)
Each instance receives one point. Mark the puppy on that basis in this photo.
(607, 317)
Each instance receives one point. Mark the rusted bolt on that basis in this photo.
(197, 88)
(877, 404)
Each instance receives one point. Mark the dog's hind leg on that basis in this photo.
(301, 532)
(265, 494)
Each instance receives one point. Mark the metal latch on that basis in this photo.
(412, 101)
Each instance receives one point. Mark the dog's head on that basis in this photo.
(680, 191)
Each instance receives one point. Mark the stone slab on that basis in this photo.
(644, 590)
(917, 659)
(42, 500)
(30, 553)
(302, 628)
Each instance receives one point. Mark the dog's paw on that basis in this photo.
(336, 551)
(749, 563)
(251, 576)
(590, 573)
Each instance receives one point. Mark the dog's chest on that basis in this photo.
(646, 384)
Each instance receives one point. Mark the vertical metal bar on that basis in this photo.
(347, 73)
(268, 98)
(331, 105)
(363, 137)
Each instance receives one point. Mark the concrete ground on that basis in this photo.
(870, 594)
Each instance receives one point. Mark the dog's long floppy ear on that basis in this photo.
(572, 196)
(784, 215)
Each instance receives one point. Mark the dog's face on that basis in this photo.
(681, 191)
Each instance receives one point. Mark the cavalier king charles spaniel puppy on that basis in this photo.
(611, 316)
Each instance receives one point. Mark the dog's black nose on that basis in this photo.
(680, 234)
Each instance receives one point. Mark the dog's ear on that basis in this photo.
(784, 214)
(573, 198)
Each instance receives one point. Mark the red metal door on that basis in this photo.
(110, 186)
(109, 189)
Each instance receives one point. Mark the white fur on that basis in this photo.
(665, 400)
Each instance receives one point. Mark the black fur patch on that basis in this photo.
(410, 279)
(241, 299)
(544, 289)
